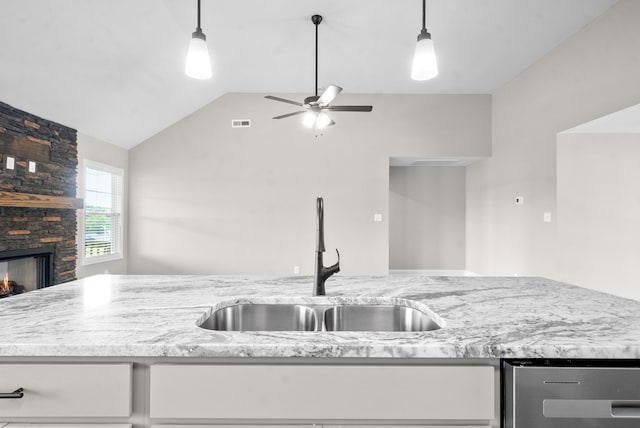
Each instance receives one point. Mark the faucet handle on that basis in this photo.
(335, 268)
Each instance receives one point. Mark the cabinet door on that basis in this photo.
(317, 426)
(322, 393)
(66, 390)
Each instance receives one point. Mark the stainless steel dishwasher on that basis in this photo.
(570, 393)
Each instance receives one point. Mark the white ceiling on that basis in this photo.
(113, 69)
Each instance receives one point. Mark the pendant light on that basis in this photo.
(425, 66)
(198, 63)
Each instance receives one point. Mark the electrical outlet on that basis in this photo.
(11, 162)
(32, 166)
(377, 217)
(547, 217)
(296, 270)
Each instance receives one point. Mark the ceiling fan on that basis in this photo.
(316, 107)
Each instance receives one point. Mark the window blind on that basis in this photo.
(102, 213)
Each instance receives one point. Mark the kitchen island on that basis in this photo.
(156, 316)
(142, 331)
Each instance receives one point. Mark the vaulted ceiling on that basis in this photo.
(113, 69)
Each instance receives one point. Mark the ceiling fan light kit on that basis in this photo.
(425, 65)
(198, 64)
(316, 107)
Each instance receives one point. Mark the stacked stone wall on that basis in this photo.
(53, 147)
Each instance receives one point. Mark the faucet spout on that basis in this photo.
(321, 272)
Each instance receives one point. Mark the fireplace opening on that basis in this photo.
(25, 270)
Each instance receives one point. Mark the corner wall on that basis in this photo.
(427, 217)
(598, 211)
(208, 198)
(593, 73)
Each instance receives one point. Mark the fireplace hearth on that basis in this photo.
(25, 270)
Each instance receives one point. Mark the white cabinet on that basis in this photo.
(321, 393)
(66, 390)
(192, 393)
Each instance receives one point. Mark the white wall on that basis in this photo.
(426, 217)
(206, 198)
(99, 151)
(593, 73)
(599, 211)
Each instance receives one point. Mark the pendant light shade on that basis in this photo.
(425, 65)
(198, 64)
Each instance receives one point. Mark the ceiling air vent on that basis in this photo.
(241, 123)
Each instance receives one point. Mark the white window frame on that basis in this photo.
(98, 166)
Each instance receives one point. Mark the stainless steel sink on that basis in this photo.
(329, 314)
(262, 317)
(377, 318)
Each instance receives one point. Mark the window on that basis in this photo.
(102, 219)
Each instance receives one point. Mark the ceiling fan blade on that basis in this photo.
(290, 114)
(329, 94)
(282, 100)
(350, 108)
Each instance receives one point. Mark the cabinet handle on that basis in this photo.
(18, 393)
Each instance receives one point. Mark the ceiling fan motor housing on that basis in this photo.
(311, 101)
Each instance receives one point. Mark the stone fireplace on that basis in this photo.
(38, 172)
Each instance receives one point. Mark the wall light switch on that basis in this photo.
(519, 200)
(377, 217)
(547, 217)
(11, 162)
(32, 166)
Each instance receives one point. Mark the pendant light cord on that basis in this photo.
(199, 16)
(424, 13)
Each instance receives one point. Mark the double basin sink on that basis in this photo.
(371, 315)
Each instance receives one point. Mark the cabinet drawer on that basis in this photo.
(322, 392)
(66, 390)
(22, 425)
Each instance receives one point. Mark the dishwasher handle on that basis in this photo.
(625, 409)
(599, 409)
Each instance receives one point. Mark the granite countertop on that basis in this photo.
(155, 316)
